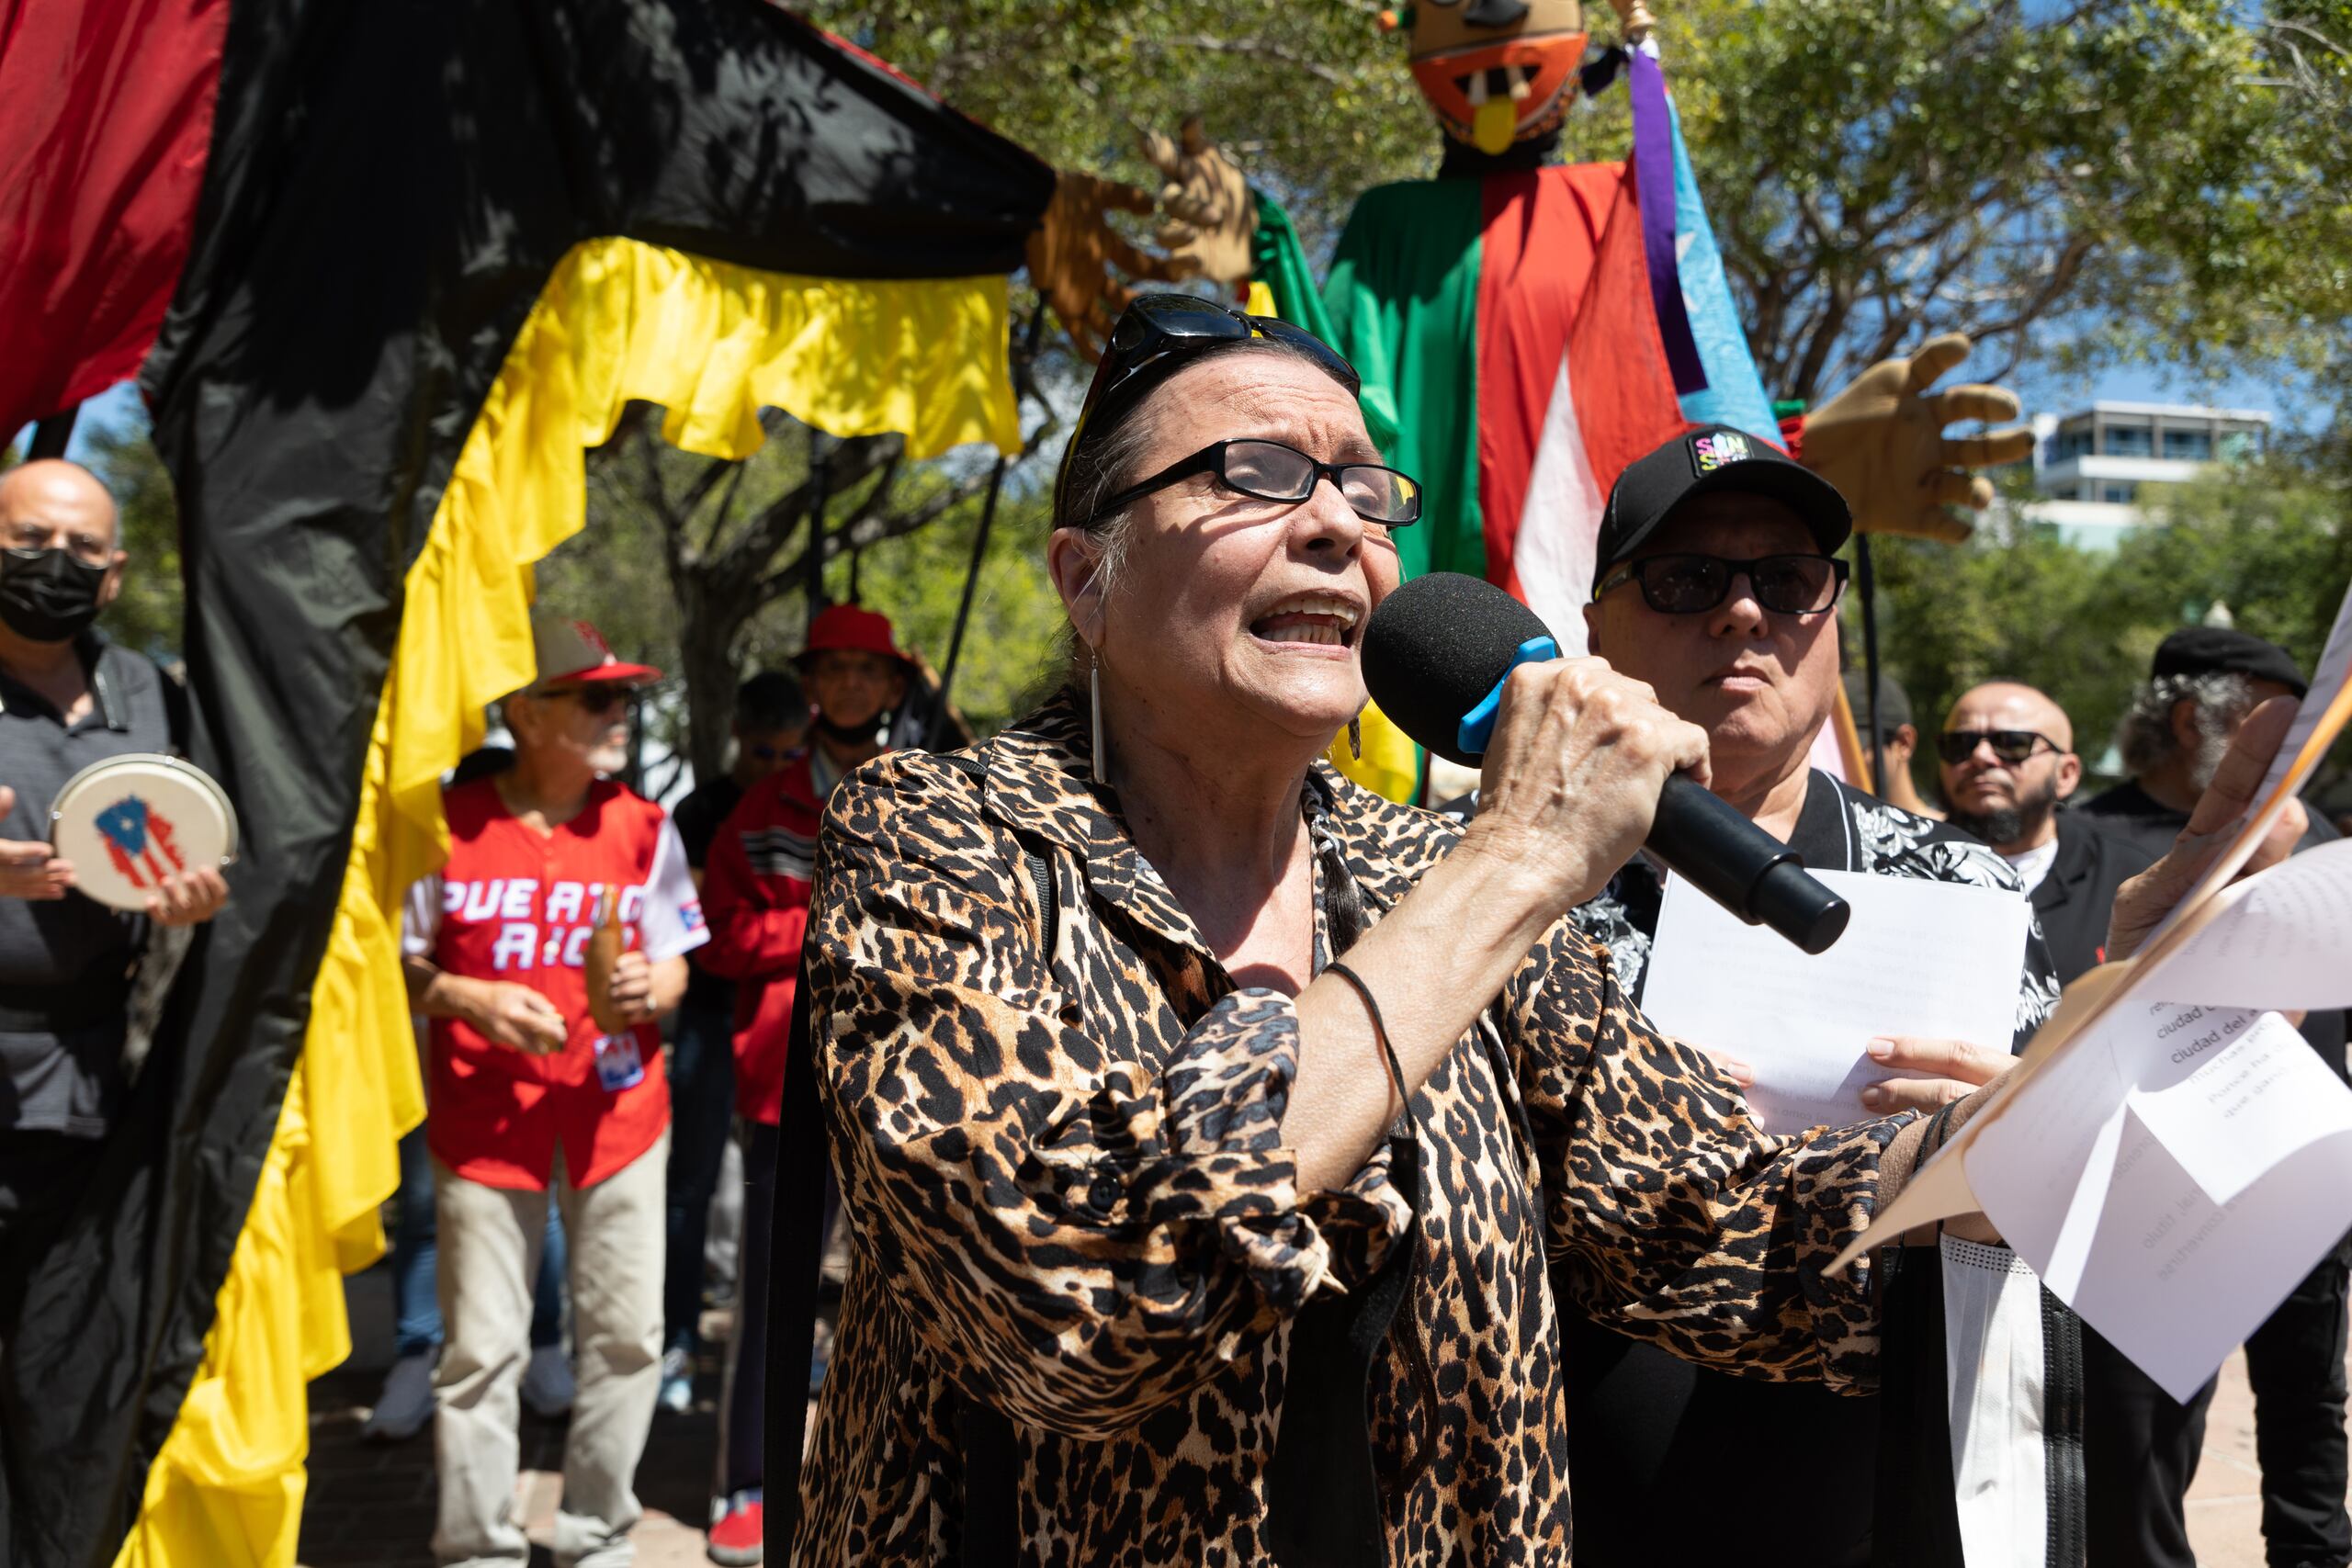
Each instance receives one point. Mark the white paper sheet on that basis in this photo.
(2327, 679)
(1924, 958)
(2171, 1177)
(2281, 940)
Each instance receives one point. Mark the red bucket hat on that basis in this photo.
(851, 628)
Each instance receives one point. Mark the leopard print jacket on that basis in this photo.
(1068, 1196)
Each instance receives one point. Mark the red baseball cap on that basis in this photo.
(851, 628)
(575, 651)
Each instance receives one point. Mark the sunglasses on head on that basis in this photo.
(1157, 332)
(2010, 746)
(1693, 584)
(594, 701)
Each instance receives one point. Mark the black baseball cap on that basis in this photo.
(1702, 460)
(2219, 650)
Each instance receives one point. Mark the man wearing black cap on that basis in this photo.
(2205, 681)
(1715, 583)
(1898, 739)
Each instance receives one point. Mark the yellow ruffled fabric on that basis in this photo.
(618, 321)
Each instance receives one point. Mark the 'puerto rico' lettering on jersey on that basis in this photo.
(519, 906)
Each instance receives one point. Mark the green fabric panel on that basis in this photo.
(1403, 306)
(1278, 261)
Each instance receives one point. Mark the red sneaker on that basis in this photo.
(738, 1535)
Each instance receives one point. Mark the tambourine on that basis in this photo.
(128, 821)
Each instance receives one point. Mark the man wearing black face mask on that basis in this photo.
(68, 698)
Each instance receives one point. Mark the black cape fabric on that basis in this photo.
(387, 190)
(2074, 899)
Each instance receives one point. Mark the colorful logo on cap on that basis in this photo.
(1718, 449)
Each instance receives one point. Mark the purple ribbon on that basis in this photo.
(1654, 182)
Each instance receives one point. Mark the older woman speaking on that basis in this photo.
(1219, 1138)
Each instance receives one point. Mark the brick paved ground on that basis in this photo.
(372, 1506)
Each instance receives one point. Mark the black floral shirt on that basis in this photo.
(1839, 829)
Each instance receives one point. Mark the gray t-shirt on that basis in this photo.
(66, 966)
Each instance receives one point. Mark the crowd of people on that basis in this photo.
(1229, 1160)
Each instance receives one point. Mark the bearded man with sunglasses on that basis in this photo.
(540, 1088)
(2006, 762)
(1717, 583)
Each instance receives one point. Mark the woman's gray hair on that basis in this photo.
(2145, 737)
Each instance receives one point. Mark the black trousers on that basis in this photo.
(2141, 1445)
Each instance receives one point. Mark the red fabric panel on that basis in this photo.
(1540, 233)
(1617, 372)
(106, 118)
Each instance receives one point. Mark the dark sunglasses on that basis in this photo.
(1693, 584)
(1268, 470)
(1157, 333)
(2011, 745)
(594, 701)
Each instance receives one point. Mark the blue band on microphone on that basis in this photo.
(1479, 724)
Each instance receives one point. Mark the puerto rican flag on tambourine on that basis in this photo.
(139, 842)
(128, 822)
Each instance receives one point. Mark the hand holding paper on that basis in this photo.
(2148, 900)
(2170, 1167)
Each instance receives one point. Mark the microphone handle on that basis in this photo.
(1742, 867)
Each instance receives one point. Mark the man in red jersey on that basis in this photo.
(530, 1095)
(758, 884)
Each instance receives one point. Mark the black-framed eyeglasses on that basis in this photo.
(2011, 745)
(1271, 470)
(1156, 332)
(594, 701)
(1693, 584)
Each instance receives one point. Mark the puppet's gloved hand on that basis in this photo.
(1881, 442)
(1074, 248)
(1211, 217)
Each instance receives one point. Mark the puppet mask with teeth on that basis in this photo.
(1497, 70)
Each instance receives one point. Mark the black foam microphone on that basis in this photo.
(1435, 653)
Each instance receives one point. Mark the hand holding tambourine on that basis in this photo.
(30, 869)
(142, 832)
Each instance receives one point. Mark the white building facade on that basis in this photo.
(2088, 467)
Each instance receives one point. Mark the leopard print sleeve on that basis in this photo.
(1669, 1214)
(1079, 1240)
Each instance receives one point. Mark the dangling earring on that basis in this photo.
(1094, 696)
(1355, 737)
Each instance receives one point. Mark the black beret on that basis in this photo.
(2219, 651)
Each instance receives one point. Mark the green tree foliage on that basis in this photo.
(2266, 541)
(2076, 182)
(147, 617)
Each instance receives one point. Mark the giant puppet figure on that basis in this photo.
(1524, 328)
